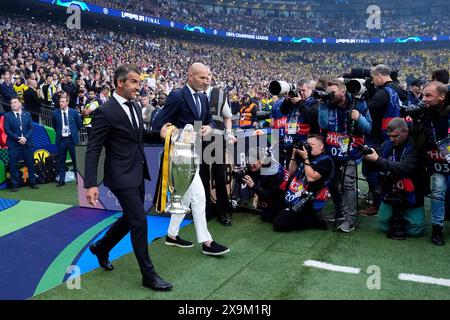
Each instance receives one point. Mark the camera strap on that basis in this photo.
(394, 158)
(448, 127)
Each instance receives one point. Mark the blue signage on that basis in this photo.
(229, 34)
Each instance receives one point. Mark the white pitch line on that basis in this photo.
(331, 267)
(424, 279)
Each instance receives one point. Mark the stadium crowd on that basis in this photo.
(89, 56)
(76, 67)
(339, 24)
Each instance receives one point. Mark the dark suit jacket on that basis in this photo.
(74, 124)
(125, 164)
(180, 110)
(32, 101)
(12, 129)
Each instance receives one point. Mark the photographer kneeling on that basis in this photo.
(401, 211)
(268, 179)
(311, 171)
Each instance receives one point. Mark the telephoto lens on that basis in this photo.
(323, 95)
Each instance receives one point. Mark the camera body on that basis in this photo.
(416, 112)
(304, 198)
(362, 75)
(358, 73)
(392, 195)
(280, 88)
(323, 95)
(239, 173)
(365, 150)
(300, 145)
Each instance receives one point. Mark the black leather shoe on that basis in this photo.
(437, 237)
(397, 231)
(156, 283)
(209, 215)
(60, 184)
(34, 186)
(225, 220)
(102, 259)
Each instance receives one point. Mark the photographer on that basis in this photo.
(268, 180)
(311, 170)
(302, 111)
(383, 106)
(429, 130)
(401, 211)
(345, 120)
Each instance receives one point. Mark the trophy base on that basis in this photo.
(177, 209)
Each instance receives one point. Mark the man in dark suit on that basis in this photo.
(32, 101)
(19, 129)
(118, 126)
(185, 106)
(67, 123)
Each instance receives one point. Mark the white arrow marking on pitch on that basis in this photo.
(331, 267)
(424, 279)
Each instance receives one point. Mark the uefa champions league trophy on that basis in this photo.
(183, 166)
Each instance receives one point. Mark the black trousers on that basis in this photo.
(218, 175)
(270, 213)
(134, 220)
(306, 219)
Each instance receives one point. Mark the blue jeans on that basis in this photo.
(439, 184)
(64, 145)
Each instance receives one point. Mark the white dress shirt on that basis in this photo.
(125, 108)
(65, 132)
(194, 98)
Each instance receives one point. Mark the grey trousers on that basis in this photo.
(344, 195)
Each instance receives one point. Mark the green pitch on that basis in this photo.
(264, 264)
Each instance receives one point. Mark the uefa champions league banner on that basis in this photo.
(87, 7)
(107, 200)
(235, 156)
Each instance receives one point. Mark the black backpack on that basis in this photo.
(47, 171)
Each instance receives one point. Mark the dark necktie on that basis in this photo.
(66, 122)
(19, 119)
(198, 104)
(129, 104)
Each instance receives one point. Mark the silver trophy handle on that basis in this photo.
(183, 167)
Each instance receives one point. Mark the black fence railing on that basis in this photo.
(44, 116)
